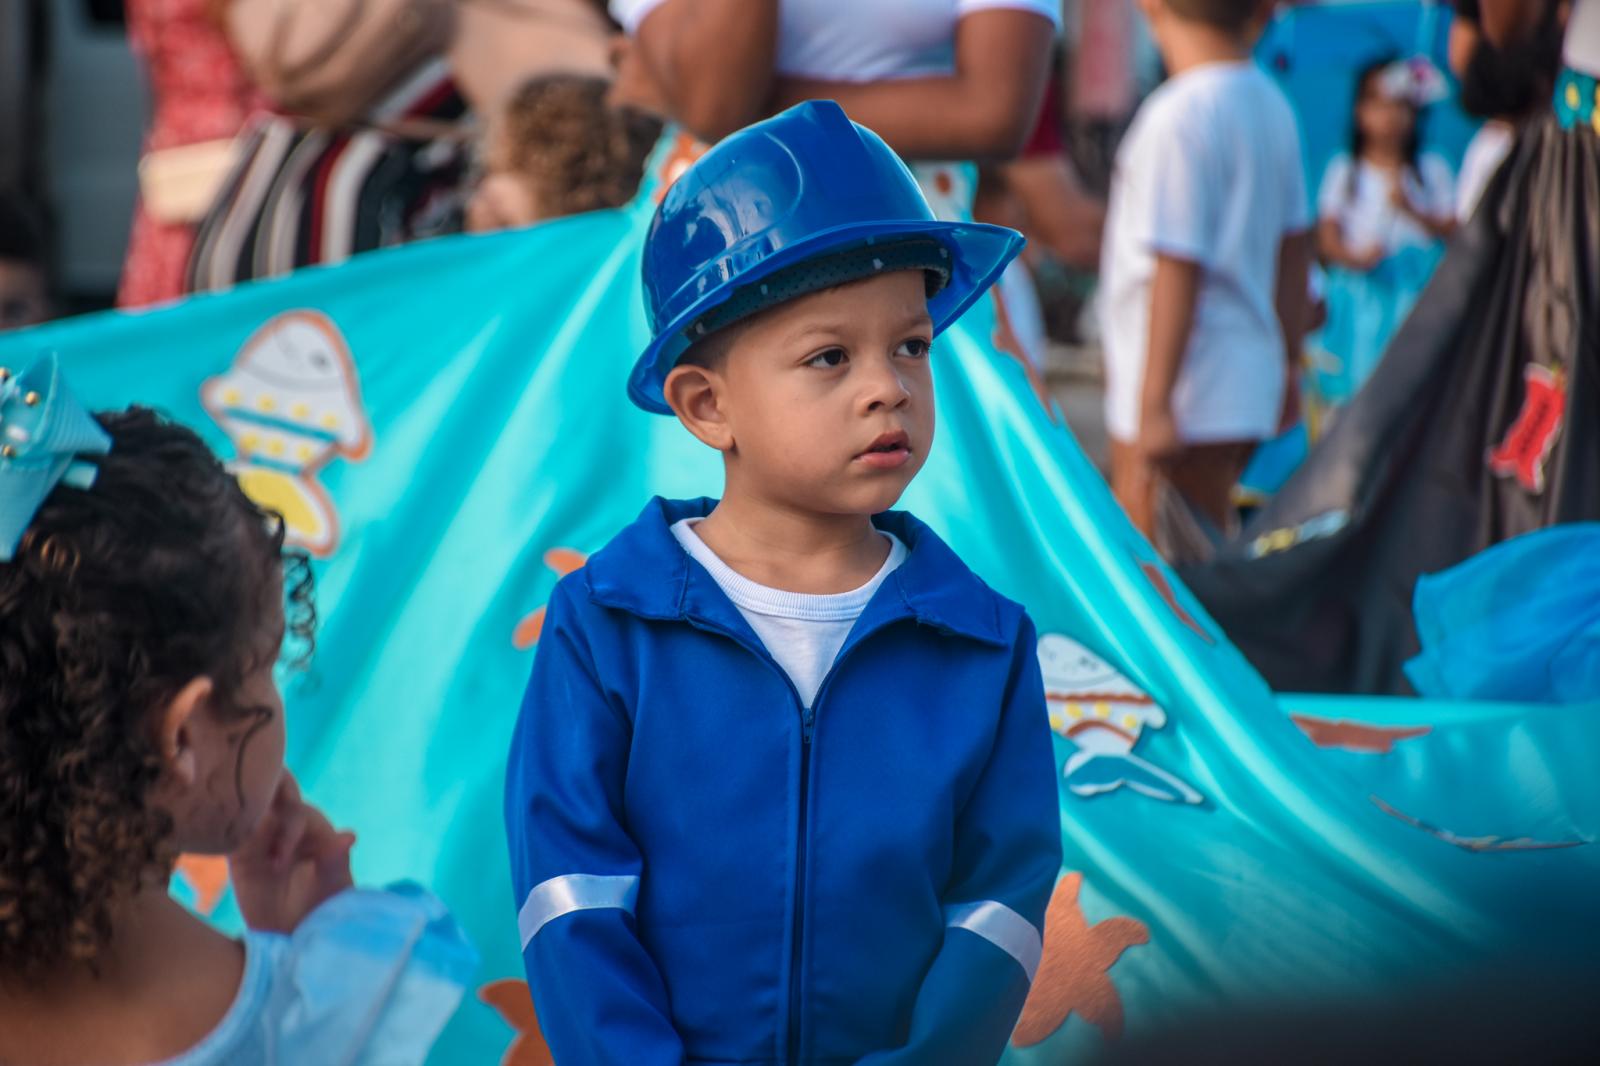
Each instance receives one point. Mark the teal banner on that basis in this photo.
(444, 427)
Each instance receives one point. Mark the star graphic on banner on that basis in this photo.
(1156, 577)
(207, 875)
(563, 561)
(515, 1004)
(1074, 975)
(1477, 844)
(1355, 736)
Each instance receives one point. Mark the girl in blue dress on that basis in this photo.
(1382, 214)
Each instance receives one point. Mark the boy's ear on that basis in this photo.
(695, 395)
(178, 727)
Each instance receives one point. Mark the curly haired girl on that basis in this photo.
(142, 614)
(557, 148)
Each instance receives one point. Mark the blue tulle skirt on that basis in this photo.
(1518, 621)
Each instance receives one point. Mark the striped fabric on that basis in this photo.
(300, 195)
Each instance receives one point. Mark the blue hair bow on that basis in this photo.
(43, 431)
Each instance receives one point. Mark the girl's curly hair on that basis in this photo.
(117, 597)
(580, 152)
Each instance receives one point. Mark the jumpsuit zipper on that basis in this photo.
(808, 725)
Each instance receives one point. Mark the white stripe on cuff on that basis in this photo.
(1002, 927)
(551, 899)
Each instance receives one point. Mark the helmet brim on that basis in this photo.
(980, 252)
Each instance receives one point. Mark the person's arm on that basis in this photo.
(1439, 227)
(598, 993)
(712, 60)
(1067, 219)
(1292, 301)
(984, 111)
(1177, 215)
(1504, 21)
(1174, 293)
(1331, 200)
(1007, 859)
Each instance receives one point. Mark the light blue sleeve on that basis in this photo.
(378, 973)
(368, 979)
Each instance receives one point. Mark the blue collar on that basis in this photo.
(645, 571)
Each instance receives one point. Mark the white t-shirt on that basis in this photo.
(802, 632)
(1485, 152)
(863, 40)
(1367, 216)
(1210, 172)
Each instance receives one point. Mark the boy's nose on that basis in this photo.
(885, 387)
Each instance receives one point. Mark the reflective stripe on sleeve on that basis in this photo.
(1002, 927)
(551, 899)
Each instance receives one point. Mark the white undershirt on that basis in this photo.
(802, 632)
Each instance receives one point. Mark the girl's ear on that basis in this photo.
(178, 730)
(695, 395)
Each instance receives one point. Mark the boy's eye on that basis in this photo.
(915, 348)
(830, 357)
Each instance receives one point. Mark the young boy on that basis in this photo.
(782, 789)
(1204, 265)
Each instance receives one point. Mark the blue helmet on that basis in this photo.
(801, 185)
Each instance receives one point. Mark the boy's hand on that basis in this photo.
(290, 865)
(1158, 434)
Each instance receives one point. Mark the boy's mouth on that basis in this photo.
(888, 451)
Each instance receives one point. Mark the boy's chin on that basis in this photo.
(863, 500)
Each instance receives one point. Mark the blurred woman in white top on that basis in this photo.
(937, 79)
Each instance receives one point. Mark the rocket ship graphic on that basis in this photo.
(1104, 715)
(291, 404)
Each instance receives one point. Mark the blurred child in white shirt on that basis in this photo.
(1204, 265)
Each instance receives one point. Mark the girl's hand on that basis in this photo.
(290, 865)
(1403, 203)
(1367, 259)
(1397, 194)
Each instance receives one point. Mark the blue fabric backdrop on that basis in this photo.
(445, 424)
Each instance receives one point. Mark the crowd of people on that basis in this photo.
(496, 114)
(814, 245)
